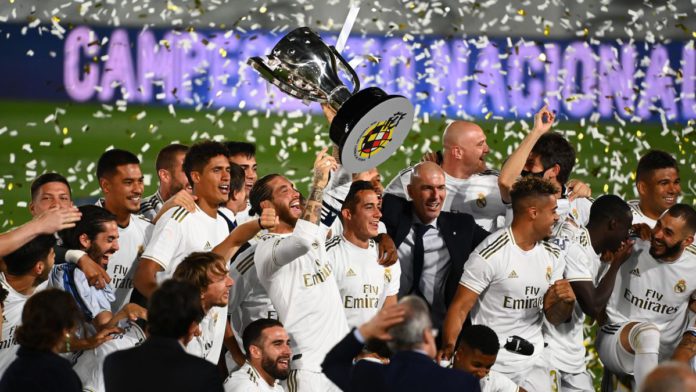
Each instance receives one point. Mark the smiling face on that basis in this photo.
(363, 222)
(286, 200)
(660, 190)
(427, 190)
(213, 182)
(217, 293)
(466, 142)
(473, 361)
(248, 164)
(275, 352)
(104, 245)
(545, 215)
(49, 195)
(123, 189)
(669, 238)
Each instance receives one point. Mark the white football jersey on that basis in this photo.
(90, 300)
(248, 298)
(638, 216)
(208, 344)
(132, 241)
(653, 291)
(150, 206)
(12, 318)
(477, 195)
(178, 233)
(89, 364)
(497, 382)
(247, 379)
(511, 284)
(363, 283)
(334, 195)
(565, 341)
(296, 273)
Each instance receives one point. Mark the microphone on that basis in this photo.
(518, 345)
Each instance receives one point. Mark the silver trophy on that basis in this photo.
(369, 126)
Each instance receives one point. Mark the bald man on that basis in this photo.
(432, 245)
(670, 377)
(471, 187)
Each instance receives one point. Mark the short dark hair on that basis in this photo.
(608, 207)
(259, 192)
(528, 187)
(45, 316)
(3, 297)
(552, 148)
(45, 179)
(91, 223)
(110, 160)
(173, 307)
(237, 178)
(480, 337)
(237, 148)
(685, 212)
(351, 200)
(200, 154)
(654, 160)
(252, 332)
(195, 267)
(166, 157)
(23, 259)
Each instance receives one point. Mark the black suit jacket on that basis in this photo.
(459, 230)
(159, 364)
(407, 371)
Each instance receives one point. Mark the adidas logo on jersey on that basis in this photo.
(635, 272)
(207, 246)
(512, 275)
(350, 272)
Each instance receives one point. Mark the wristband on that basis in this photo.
(73, 255)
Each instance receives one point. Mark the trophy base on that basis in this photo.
(370, 127)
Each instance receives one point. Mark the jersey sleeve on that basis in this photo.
(577, 265)
(398, 185)
(501, 383)
(273, 252)
(166, 235)
(393, 278)
(478, 273)
(558, 267)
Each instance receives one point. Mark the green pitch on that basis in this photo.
(68, 138)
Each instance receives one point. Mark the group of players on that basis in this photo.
(544, 258)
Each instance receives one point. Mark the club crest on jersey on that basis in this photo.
(481, 201)
(680, 287)
(387, 275)
(548, 274)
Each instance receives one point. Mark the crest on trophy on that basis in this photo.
(370, 125)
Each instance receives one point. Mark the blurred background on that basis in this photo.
(82, 76)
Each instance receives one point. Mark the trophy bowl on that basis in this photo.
(370, 125)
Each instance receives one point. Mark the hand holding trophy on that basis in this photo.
(369, 126)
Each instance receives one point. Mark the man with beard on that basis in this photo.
(121, 183)
(658, 185)
(172, 179)
(267, 347)
(26, 268)
(97, 235)
(208, 271)
(653, 292)
(292, 266)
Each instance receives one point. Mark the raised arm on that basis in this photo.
(49, 222)
(323, 165)
(515, 163)
(245, 232)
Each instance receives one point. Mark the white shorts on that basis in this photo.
(571, 382)
(614, 357)
(301, 380)
(534, 378)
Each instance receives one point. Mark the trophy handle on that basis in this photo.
(267, 74)
(346, 67)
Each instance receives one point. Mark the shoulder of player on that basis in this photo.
(493, 243)
(243, 263)
(552, 248)
(176, 214)
(635, 207)
(268, 236)
(691, 249)
(488, 172)
(333, 242)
